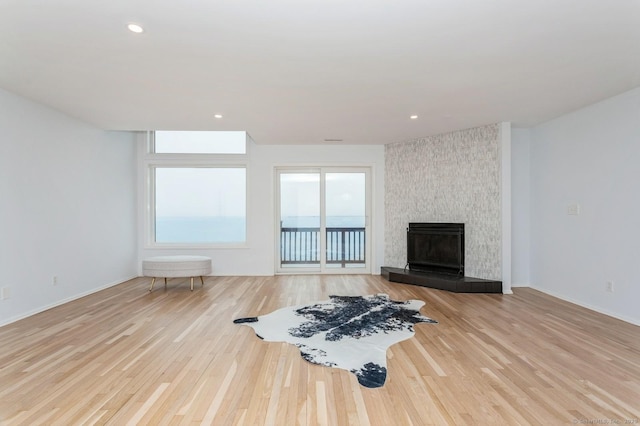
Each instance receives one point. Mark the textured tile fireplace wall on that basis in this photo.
(454, 177)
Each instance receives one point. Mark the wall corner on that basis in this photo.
(505, 150)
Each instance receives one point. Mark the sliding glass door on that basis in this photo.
(323, 220)
(300, 214)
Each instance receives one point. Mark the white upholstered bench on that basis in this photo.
(176, 266)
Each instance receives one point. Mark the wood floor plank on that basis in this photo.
(174, 357)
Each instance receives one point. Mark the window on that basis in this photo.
(178, 142)
(197, 188)
(200, 204)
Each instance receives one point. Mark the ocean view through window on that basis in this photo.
(200, 205)
(200, 229)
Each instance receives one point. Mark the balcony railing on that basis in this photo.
(301, 246)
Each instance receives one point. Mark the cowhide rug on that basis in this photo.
(351, 333)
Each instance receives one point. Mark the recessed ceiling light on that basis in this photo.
(135, 28)
(218, 116)
(414, 117)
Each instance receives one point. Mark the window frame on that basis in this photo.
(153, 161)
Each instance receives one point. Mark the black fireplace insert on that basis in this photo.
(436, 247)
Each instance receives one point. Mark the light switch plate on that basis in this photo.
(573, 209)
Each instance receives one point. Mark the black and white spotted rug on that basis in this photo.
(347, 332)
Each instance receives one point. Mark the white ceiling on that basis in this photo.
(302, 71)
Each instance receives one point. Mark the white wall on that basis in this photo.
(590, 157)
(67, 207)
(258, 257)
(520, 207)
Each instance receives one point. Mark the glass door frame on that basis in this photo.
(322, 267)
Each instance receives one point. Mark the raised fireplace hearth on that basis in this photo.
(436, 258)
(440, 281)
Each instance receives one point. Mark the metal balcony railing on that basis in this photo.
(302, 246)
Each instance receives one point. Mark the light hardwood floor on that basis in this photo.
(127, 356)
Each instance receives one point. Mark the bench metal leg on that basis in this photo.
(153, 281)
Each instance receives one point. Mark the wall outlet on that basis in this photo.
(5, 293)
(54, 280)
(610, 286)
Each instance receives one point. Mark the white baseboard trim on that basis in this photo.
(630, 320)
(63, 301)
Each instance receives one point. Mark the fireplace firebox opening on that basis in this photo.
(436, 247)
